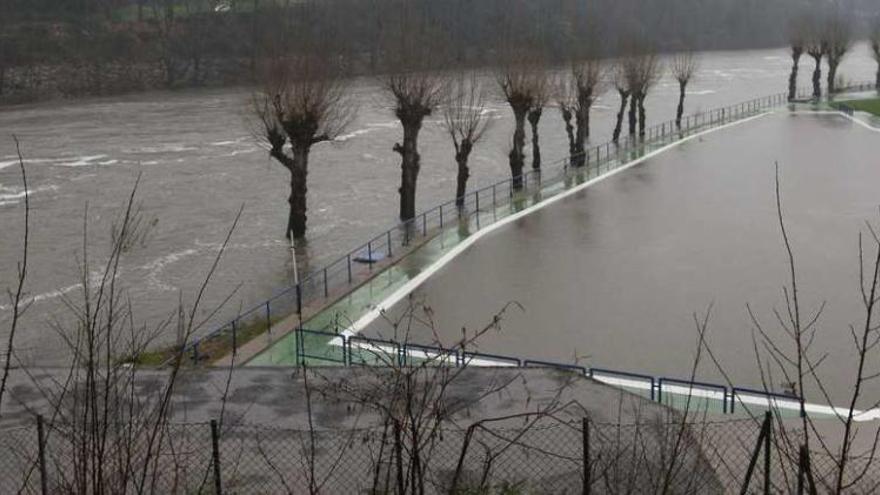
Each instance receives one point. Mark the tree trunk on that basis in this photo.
(792, 79)
(682, 89)
(832, 75)
(296, 221)
(582, 131)
(624, 97)
(534, 117)
(461, 157)
(409, 167)
(517, 157)
(642, 119)
(633, 116)
(877, 83)
(569, 131)
(817, 78)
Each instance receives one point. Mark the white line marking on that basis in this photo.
(841, 114)
(419, 279)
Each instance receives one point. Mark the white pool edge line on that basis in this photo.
(841, 114)
(419, 279)
(696, 391)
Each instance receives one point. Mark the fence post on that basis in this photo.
(768, 419)
(41, 442)
(587, 460)
(370, 251)
(326, 289)
(268, 318)
(234, 336)
(478, 209)
(763, 438)
(424, 224)
(801, 470)
(348, 260)
(215, 446)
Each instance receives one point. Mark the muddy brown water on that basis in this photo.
(199, 164)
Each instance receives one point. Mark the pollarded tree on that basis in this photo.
(304, 101)
(415, 88)
(518, 83)
(817, 48)
(621, 84)
(875, 48)
(566, 99)
(541, 95)
(642, 71)
(839, 40)
(586, 77)
(466, 120)
(684, 67)
(798, 41)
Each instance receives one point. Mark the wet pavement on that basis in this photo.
(612, 276)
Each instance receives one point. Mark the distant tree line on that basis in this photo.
(194, 42)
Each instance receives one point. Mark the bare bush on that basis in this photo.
(794, 361)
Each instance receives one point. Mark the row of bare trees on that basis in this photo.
(306, 99)
(829, 36)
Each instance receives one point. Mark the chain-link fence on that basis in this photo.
(651, 456)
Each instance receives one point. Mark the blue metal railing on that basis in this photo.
(364, 351)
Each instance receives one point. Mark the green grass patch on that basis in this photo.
(871, 106)
(209, 349)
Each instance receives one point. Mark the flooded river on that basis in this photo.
(199, 163)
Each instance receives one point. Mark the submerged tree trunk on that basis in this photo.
(582, 132)
(534, 117)
(624, 98)
(297, 165)
(642, 119)
(832, 76)
(633, 116)
(792, 79)
(817, 77)
(296, 221)
(462, 153)
(682, 90)
(569, 131)
(517, 156)
(409, 166)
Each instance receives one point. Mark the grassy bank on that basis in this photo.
(871, 106)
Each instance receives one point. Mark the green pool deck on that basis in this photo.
(342, 313)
